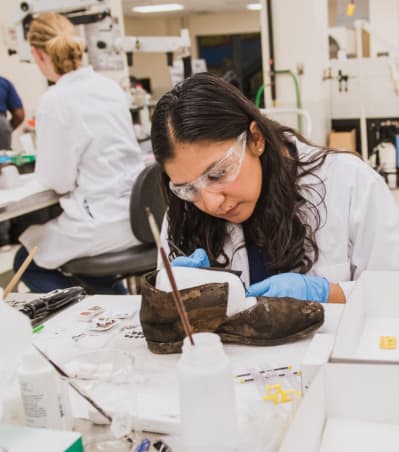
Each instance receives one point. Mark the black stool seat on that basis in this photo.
(137, 259)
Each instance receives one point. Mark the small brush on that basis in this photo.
(175, 292)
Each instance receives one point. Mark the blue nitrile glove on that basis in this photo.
(295, 285)
(198, 258)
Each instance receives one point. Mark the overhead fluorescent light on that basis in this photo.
(254, 6)
(158, 8)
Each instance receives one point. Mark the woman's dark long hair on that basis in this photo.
(206, 108)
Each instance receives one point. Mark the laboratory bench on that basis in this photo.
(346, 375)
(27, 197)
(156, 383)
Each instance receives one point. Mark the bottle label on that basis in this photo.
(34, 404)
(45, 405)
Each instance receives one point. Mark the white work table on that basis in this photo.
(157, 391)
(27, 197)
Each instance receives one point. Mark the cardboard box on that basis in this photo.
(342, 141)
(371, 312)
(348, 408)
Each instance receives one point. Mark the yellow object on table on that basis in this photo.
(388, 342)
(276, 393)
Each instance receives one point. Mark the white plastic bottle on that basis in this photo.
(44, 394)
(207, 397)
(15, 338)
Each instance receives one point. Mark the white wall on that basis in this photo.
(384, 20)
(154, 65)
(25, 76)
(301, 38)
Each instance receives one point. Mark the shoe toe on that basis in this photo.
(273, 321)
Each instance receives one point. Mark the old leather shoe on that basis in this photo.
(271, 321)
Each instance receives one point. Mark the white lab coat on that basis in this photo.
(87, 152)
(360, 225)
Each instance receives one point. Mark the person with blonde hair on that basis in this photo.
(87, 152)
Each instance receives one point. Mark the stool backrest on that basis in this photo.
(146, 192)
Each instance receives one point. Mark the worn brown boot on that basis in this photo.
(271, 321)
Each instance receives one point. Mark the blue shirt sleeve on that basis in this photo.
(9, 99)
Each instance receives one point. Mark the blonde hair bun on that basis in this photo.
(56, 35)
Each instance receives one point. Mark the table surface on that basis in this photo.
(158, 387)
(27, 197)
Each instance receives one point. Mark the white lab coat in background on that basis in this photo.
(87, 152)
(360, 224)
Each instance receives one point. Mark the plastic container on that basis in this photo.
(206, 394)
(387, 153)
(22, 159)
(15, 338)
(44, 394)
(9, 177)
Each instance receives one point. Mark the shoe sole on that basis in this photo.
(175, 347)
(235, 339)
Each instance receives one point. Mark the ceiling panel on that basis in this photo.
(190, 6)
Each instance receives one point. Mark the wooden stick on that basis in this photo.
(153, 227)
(176, 296)
(15, 279)
(73, 385)
(175, 292)
(79, 390)
(176, 248)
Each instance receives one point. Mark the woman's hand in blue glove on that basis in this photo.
(197, 259)
(295, 285)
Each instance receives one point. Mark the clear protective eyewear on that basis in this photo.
(221, 174)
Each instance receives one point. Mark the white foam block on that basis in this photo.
(191, 277)
(349, 435)
(317, 354)
(348, 407)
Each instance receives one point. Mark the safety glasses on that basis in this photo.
(222, 173)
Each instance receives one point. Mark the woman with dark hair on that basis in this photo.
(250, 194)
